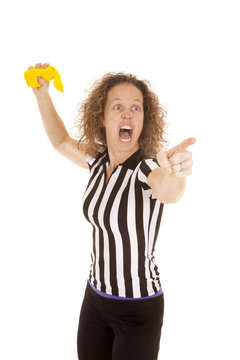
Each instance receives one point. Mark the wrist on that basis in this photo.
(43, 97)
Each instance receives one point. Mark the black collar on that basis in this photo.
(130, 162)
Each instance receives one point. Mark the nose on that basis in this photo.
(126, 115)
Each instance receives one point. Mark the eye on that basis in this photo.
(117, 107)
(136, 108)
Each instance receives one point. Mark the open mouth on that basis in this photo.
(125, 133)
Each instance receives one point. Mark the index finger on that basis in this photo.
(182, 146)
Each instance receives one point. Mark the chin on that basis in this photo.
(129, 147)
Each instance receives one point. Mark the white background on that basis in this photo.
(189, 51)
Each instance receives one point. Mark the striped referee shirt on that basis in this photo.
(125, 216)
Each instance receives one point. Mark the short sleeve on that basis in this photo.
(146, 167)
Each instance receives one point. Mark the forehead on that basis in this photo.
(125, 92)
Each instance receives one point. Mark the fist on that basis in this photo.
(42, 90)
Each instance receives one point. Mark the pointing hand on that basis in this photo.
(177, 161)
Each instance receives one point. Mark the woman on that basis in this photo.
(121, 126)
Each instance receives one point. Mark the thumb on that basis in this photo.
(42, 81)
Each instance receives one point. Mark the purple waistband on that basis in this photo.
(160, 292)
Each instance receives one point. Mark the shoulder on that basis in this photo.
(98, 159)
(146, 166)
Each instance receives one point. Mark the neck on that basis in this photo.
(117, 158)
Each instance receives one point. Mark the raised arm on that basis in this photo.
(54, 126)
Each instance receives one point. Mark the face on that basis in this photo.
(123, 118)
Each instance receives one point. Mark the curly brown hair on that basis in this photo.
(89, 126)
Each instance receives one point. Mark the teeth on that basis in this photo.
(125, 140)
(126, 127)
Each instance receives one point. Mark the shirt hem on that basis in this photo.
(160, 292)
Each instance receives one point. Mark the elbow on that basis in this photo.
(60, 147)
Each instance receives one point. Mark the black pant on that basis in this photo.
(112, 329)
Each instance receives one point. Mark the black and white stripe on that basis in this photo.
(125, 216)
